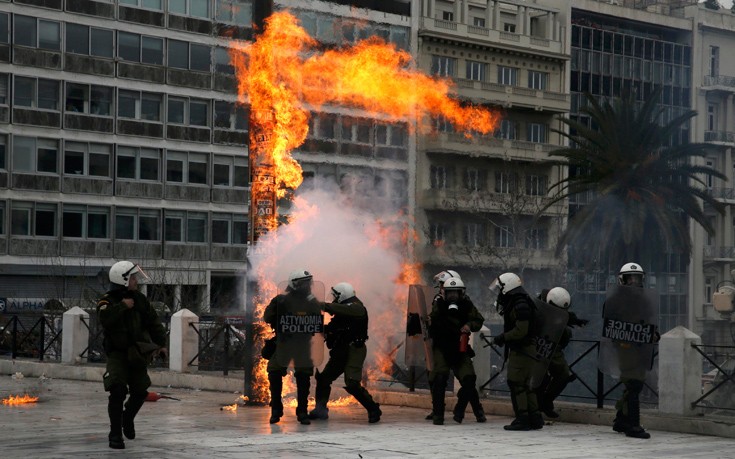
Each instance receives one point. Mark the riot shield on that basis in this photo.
(418, 344)
(548, 326)
(630, 316)
(300, 328)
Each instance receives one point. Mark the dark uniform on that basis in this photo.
(445, 333)
(299, 351)
(558, 374)
(129, 335)
(346, 334)
(518, 312)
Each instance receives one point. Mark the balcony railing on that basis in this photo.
(719, 136)
(719, 80)
(721, 252)
(721, 192)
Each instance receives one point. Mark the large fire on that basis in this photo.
(283, 75)
(19, 399)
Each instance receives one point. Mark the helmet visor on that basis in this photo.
(495, 289)
(139, 274)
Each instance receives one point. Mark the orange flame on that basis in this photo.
(232, 407)
(19, 399)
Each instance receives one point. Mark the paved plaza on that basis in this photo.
(70, 420)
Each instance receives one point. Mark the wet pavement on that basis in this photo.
(70, 420)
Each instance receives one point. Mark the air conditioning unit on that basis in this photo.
(723, 301)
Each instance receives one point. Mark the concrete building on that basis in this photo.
(476, 198)
(121, 139)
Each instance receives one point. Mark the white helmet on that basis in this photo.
(442, 277)
(632, 270)
(122, 271)
(559, 297)
(299, 279)
(454, 283)
(505, 282)
(343, 292)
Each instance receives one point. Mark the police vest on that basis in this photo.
(347, 330)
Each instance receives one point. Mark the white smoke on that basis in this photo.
(338, 243)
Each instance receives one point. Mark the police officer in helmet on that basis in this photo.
(132, 334)
(453, 315)
(345, 334)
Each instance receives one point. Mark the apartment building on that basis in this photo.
(476, 198)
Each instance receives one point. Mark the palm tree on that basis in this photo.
(643, 185)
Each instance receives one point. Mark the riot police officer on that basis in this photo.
(628, 416)
(453, 317)
(558, 374)
(298, 297)
(345, 334)
(132, 333)
(517, 309)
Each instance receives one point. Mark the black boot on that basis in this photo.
(437, 398)
(115, 412)
(555, 388)
(621, 423)
(536, 421)
(302, 398)
(634, 411)
(321, 394)
(132, 406)
(521, 423)
(477, 409)
(364, 398)
(275, 382)
(461, 406)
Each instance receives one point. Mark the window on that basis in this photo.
(443, 66)
(508, 130)
(231, 116)
(238, 11)
(35, 155)
(4, 88)
(447, 16)
(536, 133)
(196, 227)
(148, 4)
(473, 235)
(474, 179)
(138, 163)
(174, 226)
(33, 219)
(3, 147)
(505, 182)
(196, 8)
(510, 28)
(711, 117)
(189, 56)
(2, 218)
(478, 22)
(137, 224)
(508, 75)
(194, 112)
(4, 29)
(437, 234)
(92, 159)
(89, 41)
(183, 167)
(85, 222)
(503, 237)
(140, 48)
(222, 63)
(536, 185)
(439, 179)
(394, 135)
(475, 71)
(36, 93)
(709, 180)
(88, 99)
(139, 105)
(221, 228)
(230, 171)
(536, 238)
(537, 80)
(714, 60)
(37, 33)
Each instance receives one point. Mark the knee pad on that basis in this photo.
(469, 381)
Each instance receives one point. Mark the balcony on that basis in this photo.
(722, 193)
(722, 83)
(719, 253)
(724, 138)
(490, 37)
(486, 146)
(485, 201)
(515, 96)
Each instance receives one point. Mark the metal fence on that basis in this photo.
(718, 379)
(36, 336)
(222, 344)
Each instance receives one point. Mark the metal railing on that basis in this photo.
(36, 336)
(221, 347)
(593, 390)
(721, 395)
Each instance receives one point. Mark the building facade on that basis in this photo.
(477, 199)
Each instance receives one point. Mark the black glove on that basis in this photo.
(499, 340)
